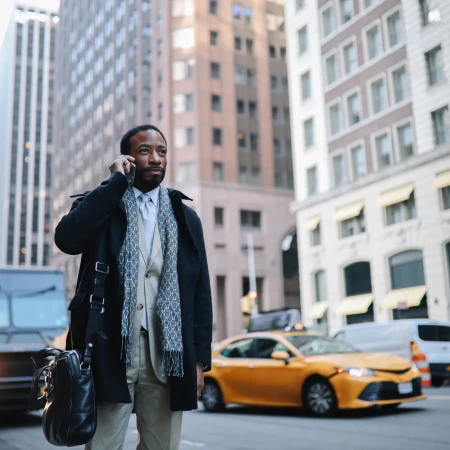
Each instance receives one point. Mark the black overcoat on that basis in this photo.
(77, 233)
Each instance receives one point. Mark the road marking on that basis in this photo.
(438, 397)
(193, 444)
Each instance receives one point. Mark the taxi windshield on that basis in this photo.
(314, 345)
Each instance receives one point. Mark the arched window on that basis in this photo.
(320, 283)
(407, 269)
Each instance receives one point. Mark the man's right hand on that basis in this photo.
(121, 164)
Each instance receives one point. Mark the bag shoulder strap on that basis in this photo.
(97, 299)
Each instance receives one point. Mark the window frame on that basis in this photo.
(303, 98)
(375, 160)
(341, 23)
(444, 109)
(333, 52)
(301, 52)
(316, 181)
(351, 40)
(397, 150)
(370, 82)
(358, 222)
(365, 30)
(404, 211)
(336, 101)
(339, 154)
(441, 78)
(347, 96)
(392, 70)
(313, 140)
(351, 167)
(386, 35)
(328, 6)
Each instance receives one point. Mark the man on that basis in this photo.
(158, 315)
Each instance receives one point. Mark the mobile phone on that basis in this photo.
(131, 174)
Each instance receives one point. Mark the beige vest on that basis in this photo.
(148, 286)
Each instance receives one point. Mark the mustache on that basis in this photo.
(154, 167)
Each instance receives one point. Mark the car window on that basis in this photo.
(238, 349)
(3, 338)
(435, 333)
(26, 338)
(265, 347)
(4, 311)
(325, 346)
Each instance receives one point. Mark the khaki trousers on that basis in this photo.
(159, 428)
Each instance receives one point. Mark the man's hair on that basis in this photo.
(125, 143)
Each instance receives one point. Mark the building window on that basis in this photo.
(401, 84)
(339, 172)
(405, 141)
(311, 178)
(359, 167)
(242, 141)
(275, 113)
(320, 284)
(237, 43)
(214, 38)
(435, 66)
(190, 136)
(250, 219)
(425, 9)
(332, 69)
(406, 269)
(273, 82)
(374, 43)
(302, 38)
(240, 107)
(316, 237)
(253, 110)
(441, 126)
(350, 58)
(218, 171)
(328, 21)
(308, 130)
(249, 46)
(186, 172)
(353, 226)
(346, 10)
(213, 7)
(384, 150)
(183, 38)
(305, 82)
(183, 103)
(401, 212)
(276, 146)
(395, 29)
(354, 109)
(182, 70)
(379, 96)
(215, 70)
(254, 142)
(445, 192)
(368, 3)
(272, 51)
(335, 119)
(216, 103)
(218, 217)
(217, 136)
(242, 13)
(160, 111)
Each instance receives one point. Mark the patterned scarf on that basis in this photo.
(168, 300)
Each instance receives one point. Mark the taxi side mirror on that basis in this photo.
(280, 355)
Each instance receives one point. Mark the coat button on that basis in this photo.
(140, 306)
(148, 275)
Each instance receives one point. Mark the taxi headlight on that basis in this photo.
(358, 372)
(414, 367)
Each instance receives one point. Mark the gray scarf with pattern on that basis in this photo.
(168, 300)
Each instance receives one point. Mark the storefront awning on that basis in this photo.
(442, 180)
(349, 211)
(312, 223)
(317, 310)
(409, 297)
(398, 195)
(357, 304)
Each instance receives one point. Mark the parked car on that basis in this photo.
(402, 338)
(32, 312)
(298, 369)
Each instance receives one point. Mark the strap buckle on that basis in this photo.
(102, 303)
(102, 267)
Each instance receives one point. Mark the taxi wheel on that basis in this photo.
(212, 397)
(319, 398)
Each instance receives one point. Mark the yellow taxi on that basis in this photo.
(301, 369)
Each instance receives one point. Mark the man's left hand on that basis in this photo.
(200, 380)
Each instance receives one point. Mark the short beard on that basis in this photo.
(150, 184)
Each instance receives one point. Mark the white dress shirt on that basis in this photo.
(150, 222)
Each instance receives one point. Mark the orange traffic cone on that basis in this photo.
(420, 360)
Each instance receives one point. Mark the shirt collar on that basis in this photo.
(154, 194)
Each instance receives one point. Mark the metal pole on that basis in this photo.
(251, 268)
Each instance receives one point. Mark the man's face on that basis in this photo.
(150, 153)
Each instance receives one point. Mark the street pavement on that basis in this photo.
(423, 425)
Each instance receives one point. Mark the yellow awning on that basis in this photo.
(357, 304)
(398, 195)
(411, 296)
(349, 211)
(442, 180)
(317, 310)
(312, 223)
